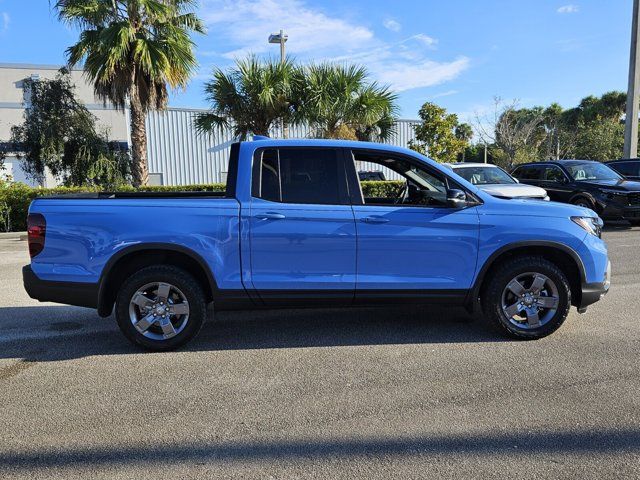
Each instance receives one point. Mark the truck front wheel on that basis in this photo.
(160, 307)
(527, 297)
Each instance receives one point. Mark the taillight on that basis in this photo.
(36, 232)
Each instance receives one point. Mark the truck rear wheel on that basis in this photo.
(527, 297)
(160, 307)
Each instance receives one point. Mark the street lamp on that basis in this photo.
(281, 38)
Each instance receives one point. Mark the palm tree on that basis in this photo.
(339, 102)
(464, 132)
(132, 51)
(251, 97)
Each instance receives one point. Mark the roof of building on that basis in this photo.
(35, 66)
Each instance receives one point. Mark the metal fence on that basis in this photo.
(179, 155)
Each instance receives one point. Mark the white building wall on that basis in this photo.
(12, 102)
(12, 98)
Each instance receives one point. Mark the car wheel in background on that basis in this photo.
(160, 307)
(583, 202)
(527, 297)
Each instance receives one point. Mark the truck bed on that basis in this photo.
(142, 195)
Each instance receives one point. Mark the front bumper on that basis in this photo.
(593, 292)
(612, 211)
(70, 293)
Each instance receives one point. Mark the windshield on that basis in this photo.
(485, 175)
(592, 171)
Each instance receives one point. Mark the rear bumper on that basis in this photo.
(70, 293)
(593, 292)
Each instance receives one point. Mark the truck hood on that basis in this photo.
(622, 185)
(535, 208)
(516, 190)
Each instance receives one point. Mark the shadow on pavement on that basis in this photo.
(50, 333)
(617, 226)
(618, 442)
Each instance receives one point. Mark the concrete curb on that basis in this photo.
(13, 235)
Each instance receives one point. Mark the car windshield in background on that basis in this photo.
(485, 175)
(592, 171)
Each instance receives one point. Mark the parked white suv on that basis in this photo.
(495, 181)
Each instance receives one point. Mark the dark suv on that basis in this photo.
(585, 183)
(628, 168)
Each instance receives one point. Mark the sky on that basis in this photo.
(459, 54)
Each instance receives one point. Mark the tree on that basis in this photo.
(335, 101)
(610, 105)
(339, 101)
(436, 135)
(133, 50)
(595, 129)
(602, 139)
(515, 133)
(464, 132)
(59, 134)
(251, 97)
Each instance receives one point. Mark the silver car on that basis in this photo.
(495, 181)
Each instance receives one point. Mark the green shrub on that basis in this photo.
(16, 197)
(381, 189)
(5, 217)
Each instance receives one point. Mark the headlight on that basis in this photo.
(612, 193)
(592, 225)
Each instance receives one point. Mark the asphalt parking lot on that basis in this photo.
(394, 393)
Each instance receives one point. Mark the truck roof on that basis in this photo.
(307, 142)
(472, 164)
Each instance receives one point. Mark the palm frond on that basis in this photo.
(133, 47)
(209, 122)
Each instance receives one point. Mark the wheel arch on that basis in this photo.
(135, 257)
(584, 194)
(563, 256)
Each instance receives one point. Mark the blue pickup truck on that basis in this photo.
(294, 229)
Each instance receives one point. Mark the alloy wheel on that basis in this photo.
(159, 310)
(530, 300)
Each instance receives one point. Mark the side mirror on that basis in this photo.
(456, 198)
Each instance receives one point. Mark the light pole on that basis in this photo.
(281, 38)
(633, 91)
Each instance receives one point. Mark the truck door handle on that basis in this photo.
(270, 216)
(375, 219)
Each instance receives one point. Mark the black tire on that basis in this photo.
(492, 296)
(584, 202)
(177, 277)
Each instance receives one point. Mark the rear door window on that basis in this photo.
(530, 172)
(300, 175)
(553, 174)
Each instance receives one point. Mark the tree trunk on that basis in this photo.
(140, 171)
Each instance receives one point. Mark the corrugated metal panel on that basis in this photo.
(182, 155)
(185, 157)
